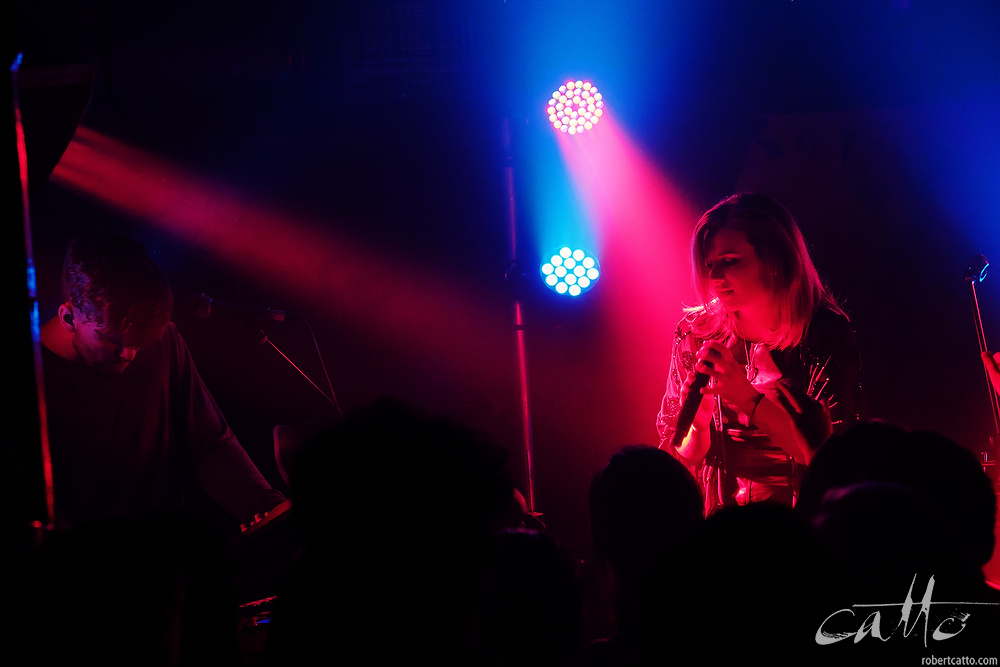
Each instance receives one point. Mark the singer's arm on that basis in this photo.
(695, 445)
(820, 392)
(693, 449)
(779, 425)
(732, 385)
(220, 464)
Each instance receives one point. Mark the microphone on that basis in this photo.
(690, 408)
(206, 305)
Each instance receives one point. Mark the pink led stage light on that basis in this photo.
(575, 107)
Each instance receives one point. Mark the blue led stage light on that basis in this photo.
(570, 272)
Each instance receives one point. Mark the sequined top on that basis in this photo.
(742, 464)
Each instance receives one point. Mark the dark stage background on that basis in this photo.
(380, 124)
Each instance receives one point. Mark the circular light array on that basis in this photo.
(571, 272)
(575, 107)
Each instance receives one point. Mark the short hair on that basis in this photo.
(113, 282)
(775, 237)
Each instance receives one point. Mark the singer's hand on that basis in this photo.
(992, 362)
(702, 418)
(811, 418)
(729, 376)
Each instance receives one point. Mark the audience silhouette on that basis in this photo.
(907, 515)
(152, 590)
(753, 582)
(531, 611)
(641, 504)
(399, 511)
(416, 547)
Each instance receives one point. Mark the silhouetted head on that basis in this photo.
(399, 510)
(953, 479)
(641, 503)
(754, 581)
(844, 459)
(531, 613)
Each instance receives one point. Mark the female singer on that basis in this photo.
(783, 365)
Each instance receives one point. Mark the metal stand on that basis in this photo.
(522, 362)
(976, 273)
(331, 397)
(40, 528)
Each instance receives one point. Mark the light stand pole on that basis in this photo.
(41, 528)
(514, 277)
(976, 273)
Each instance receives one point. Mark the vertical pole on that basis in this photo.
(522, 362)
(983, 348)
(31, 284)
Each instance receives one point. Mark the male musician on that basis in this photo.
(131, 424)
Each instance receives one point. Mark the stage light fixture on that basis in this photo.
(575, 107)
(570, 272)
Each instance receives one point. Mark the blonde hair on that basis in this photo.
(789, 271)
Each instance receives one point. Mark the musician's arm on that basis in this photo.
(991, 360)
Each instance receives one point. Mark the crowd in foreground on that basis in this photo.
(416, 550)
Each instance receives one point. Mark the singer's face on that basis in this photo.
(101, 348)
(735, 272)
